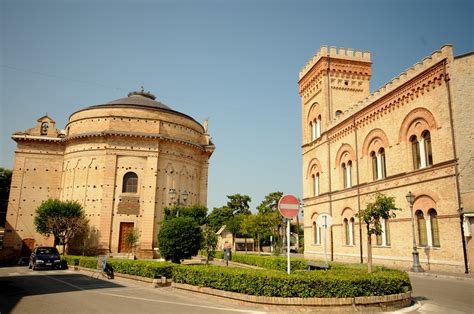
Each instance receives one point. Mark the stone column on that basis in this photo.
(108, 194)
(148, 207)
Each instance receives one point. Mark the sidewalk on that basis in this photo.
(441, 274)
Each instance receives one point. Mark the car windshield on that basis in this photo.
(47, 250)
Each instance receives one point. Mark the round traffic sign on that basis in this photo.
(289, 206)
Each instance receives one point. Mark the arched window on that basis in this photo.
(344, 174)
(349, 231)
(433, 239)
(375, 170)
(421, 150)
(317, 234)
(130, 183)
(318, 126)
(348, 181)
(415, 152)
(426, 139)
(312, 130)
(44, 128)
(384, 238)
(421, 223)
(316, 184)
(382, 166)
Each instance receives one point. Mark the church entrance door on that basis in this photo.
(125, 227)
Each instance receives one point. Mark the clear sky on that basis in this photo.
(234, 62)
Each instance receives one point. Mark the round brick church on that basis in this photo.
(124, 161)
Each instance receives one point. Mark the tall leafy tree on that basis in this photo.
(239, 204)
(179, 238)
(270, 203)
(209, 243)
(196, 212)
(219, 217)
(62, 219)
(234, 225)
(383, 207)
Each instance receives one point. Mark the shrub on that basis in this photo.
(179, 238)
(149, 269)
(328, 284)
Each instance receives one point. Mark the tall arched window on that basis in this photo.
(415, 152)
(312, 130)
(375, 170)
(316, 184)
(432, 228)
(349, 174)
(318, 126)
(384, 238)
(421, 150)
(130, 183)
(421, 223)
(349, 231)
(344, 173)
(317, 234)
(426, 139)
(382, 166)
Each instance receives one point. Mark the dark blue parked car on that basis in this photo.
(45, 257)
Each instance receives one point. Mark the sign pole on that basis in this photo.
(288, 244)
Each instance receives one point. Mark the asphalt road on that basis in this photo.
(65, 291)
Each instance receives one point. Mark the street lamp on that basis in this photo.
(178, 202)
(416, 258)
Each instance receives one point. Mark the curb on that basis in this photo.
(443, 276)
(390, 302)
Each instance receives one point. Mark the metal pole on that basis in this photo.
(416, 258)
(325, 240)
(288, 244)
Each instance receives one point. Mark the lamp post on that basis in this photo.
(416, 258)
(178, 202)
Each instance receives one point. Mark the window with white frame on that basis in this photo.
(346, 171)
(384, 238)
(349, 230)
(421, 150)
(428, 232)
(316, 234)
(316, 184)
(379, 170)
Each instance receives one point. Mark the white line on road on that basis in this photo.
(157, 301)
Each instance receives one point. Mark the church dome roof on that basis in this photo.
(139, 98)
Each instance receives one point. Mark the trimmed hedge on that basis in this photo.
(328, 284)
(149, 269)
(279, 262)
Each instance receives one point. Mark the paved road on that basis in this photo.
(26, 291)
(442, 295)
(65, 291)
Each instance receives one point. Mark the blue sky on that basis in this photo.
(234, 62)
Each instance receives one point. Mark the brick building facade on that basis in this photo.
(413, 134)
(120, 160)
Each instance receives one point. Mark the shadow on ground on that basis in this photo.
(14, 287)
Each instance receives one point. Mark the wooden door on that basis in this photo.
(125, 227)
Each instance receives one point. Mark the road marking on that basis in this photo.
(157, 301)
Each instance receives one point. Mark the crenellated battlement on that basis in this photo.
(334, 52)
(411, 73)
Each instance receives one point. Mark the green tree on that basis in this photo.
(382, 207)
(63, 219)
(5, 181)
(270, 203)
(196, 212)
(239, 204)
(179, 238)
(219, 217)
(131, 239)
(234, 225)
(209, 243)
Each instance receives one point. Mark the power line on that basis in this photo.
(62, 77)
